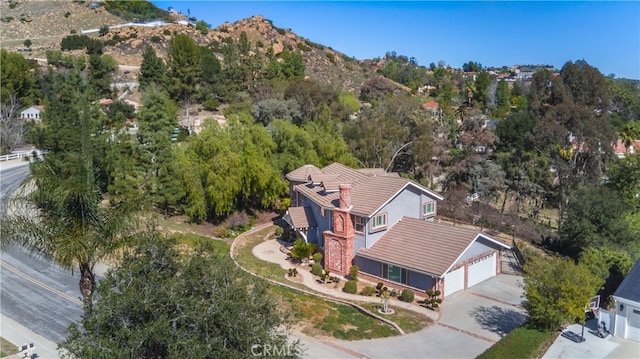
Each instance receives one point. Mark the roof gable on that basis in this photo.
(302, 174)
(370, 190)
(424, 246)
(629, 289)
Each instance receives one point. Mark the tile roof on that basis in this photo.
(369, 190)
(300, 217)
(421, 245)
(302, 174)
(630, 287)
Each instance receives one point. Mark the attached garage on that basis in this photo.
(481, 269)
(454, 281)
(455, 257)
(627, 299)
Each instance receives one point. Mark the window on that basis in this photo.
(379, 221)
(429, 209)
(394, 274)
(358, 224)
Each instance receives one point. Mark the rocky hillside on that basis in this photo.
(46, 22)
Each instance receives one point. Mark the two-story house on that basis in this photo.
(385, 225)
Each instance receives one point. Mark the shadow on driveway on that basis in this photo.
(497, 319)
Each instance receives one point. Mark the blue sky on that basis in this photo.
(493, 33)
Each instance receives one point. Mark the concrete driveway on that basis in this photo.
(470, 322)
(593, 347)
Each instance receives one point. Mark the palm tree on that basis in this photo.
(629, 134)
(64, 216)
(65, 219)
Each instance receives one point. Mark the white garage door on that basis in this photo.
(482, 269)
(454, 281)
(633, 324)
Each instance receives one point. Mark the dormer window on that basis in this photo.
(429, 209)
(379, 222)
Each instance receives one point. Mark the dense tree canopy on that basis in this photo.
(557, 291)
(159, 304)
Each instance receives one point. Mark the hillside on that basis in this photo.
(45, 24)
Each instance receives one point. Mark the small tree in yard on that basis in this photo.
(353, 272)
(557, 291)
(302, 250)
(433, 300)
(27, 43)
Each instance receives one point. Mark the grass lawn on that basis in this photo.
(408, 320)
(245, 257)
(316, 317)
(192, 240)
(7, 348)
(526, 342)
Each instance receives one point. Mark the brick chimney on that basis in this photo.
(345, 196)
(338, 244)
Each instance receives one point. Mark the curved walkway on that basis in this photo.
(269, 251)
(274, 250)
(477, 317)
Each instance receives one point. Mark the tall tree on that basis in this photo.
(12, 128)
(71, 224)
(596, 217)
(156, 121)
(184, 67)
(152, 69)
(17, 78)
(557, 291)
(100, 76)
(159, 304)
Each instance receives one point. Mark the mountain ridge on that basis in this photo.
(46, 23)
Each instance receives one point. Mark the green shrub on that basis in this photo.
(316, 268)
(353, 272)
(12, 5)
(303, 47)
(166, 32)
(155, 39)
(279, 231)
(379, 287)
(407, 296)
(368, 291)
(67, 14)
(317, 257)
(350, 287)
(211, 104)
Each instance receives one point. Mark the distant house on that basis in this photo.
(32, 113)
(621, 150)
(627, 311)
(386, 226)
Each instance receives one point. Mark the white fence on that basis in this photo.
(19, 155)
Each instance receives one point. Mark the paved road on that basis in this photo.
(38, 299)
